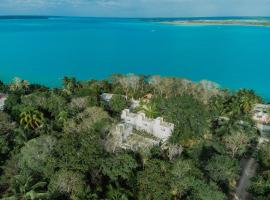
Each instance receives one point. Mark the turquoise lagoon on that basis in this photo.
(43, 50)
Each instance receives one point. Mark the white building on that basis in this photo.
(262, 119)
(3, 98)
(260, 114)
(106, 96)
(124, 131)
(156, 127)
(125, 137)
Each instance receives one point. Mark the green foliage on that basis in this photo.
(121, 166)
(247, 99)
(223, 169)
(70, 84)
(77, 152)
(117, 104)
(264, 155)
(240, 103)
(25, 187)
(203, 191)
(190, 117)
(236, 143)
(53, 141)
(87, 120)
(117, 194)
(260, 185)
(150, 110)
(6, 135)
(36, 152)
(11, 101)
(69, 183)
(184, 176)
(154, 181)
(31, 119)
(19, 86)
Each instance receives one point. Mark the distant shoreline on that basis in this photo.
(219, 22)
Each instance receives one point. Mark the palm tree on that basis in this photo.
(25, 188)
(25, 84)
(69, 84)
(19, 84)
(150, 110)
(31, 119)
(247, 99)
(62, 116)
(116, 193)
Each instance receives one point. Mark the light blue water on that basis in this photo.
(45, 50)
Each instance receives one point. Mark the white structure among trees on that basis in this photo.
(3, 98)
(156, 127)
(261, 113)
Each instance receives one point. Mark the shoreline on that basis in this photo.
(218, 22)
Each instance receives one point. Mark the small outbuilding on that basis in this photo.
(3, 98)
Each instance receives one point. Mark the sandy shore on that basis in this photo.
(219, 22)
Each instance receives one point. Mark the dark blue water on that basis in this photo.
(43, 50)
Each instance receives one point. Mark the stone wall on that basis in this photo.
(157, 127)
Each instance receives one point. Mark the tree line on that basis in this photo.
(53, 141)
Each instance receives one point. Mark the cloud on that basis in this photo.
(137, 8)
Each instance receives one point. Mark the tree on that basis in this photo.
(119, 166)
(150, 110)
(260, 185)
(216, 105)
(55, 104)
(236, 143)
(19, 85)
(6, 135)
(87, 120)
(164, 86)
(117, 193)
(69, 84)
(35, 154)
(155, 81)
(36, 100)
(77, 152)
(78, 104)
(184, 176)
(206, 191)
(130, 81)
(247, 99)
(223, 169)
(26, 187)
(154, 181)
(190, 117)
(68, 183)
(46, 101)
(264, 155)
(11, 101)
(31, 119)
(62, 117)
(118, 103)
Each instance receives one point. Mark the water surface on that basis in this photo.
(43, 50)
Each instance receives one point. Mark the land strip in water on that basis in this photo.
(219, 22)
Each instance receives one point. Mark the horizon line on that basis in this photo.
(120, 17)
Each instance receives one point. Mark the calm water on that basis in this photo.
(44, 50)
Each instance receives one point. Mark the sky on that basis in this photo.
(136, 8)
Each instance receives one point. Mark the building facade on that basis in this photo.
(156, 127)
(262, 118)
(3, 98)
(261, 113)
